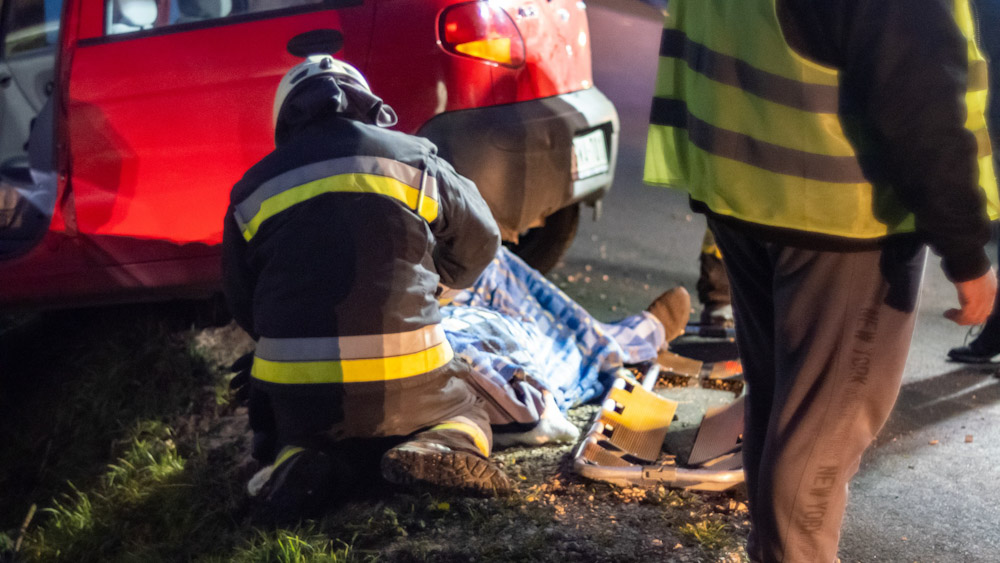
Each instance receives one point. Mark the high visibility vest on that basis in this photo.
(751, 128)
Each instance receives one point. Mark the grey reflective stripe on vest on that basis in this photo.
(746, 149)
(412, 176)
(349, 347)
(731, 71)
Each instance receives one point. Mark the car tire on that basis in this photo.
(542, 247)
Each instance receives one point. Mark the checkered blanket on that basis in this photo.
(526, 340)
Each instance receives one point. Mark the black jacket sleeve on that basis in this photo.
(904, 69)
(467, 236)
(238, 280)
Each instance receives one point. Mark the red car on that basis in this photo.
(157, 107)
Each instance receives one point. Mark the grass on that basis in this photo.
(111, 430)
(284, 546)
(711, 535)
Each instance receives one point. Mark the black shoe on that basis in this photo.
(420, 462)
(306, 484)
(971, 354)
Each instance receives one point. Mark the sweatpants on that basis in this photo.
(823, 337)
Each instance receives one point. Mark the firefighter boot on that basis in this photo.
(446, 456)
(301, 483)
(672, 308)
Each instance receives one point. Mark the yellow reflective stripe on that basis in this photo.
(342, 183)
(353, 371)
(286, 453)
(708, 245)
(988, 181)
(753, 194)
(757, 26)
(733, 109)
(471, 430)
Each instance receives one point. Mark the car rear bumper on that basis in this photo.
(521, 156)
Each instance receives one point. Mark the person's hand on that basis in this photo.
(975, 299)
(240, 383)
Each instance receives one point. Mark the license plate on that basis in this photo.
(590, 155)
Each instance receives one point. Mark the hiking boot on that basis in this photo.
(302, 483)
(426, 463)
(673, 309)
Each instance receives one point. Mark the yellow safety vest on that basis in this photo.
(749, 127)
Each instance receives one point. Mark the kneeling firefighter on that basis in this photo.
(334, 247)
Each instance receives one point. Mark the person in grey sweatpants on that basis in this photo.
(825, 360)
(801, 129)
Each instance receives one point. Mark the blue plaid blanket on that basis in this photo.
(525, 337)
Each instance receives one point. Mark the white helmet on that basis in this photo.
(314, 65)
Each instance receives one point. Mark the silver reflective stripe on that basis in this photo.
(375, 165)
(349, 347)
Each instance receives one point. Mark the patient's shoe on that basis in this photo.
(427, 462)
(673, 309)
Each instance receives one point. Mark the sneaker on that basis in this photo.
(971, 354)
(718, 315)
(426, 463)
(302, 483)
(673, 309)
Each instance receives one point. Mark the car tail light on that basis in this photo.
(482, 30)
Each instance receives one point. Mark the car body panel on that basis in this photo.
(508, 149)
(157, 127)
(155, 124)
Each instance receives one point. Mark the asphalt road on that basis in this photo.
(928, 489)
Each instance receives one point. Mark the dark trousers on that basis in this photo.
(823, 337)
(988, 12)
(321, 416)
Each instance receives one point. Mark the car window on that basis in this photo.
(127, 16)
(30, 24)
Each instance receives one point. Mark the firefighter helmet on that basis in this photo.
(313, 66)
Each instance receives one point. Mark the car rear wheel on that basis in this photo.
(542, 247)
